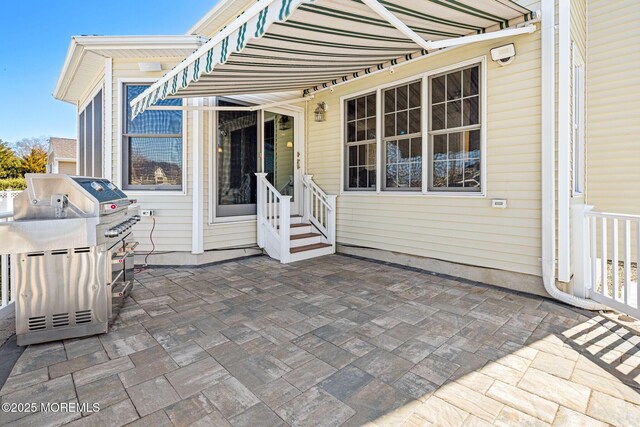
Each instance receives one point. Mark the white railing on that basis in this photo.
(319, 209)
(274, 220)
(607, 255)
(6, 291)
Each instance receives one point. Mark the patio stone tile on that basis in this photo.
(292, 355)
(476, 381)
(404, 331)
(195, 377)
(157, 419)
(333, 355)
(240, 334)
(333, 334)
(106, 392)
(384, 342)
(38, 356)
(187, 353)
(309, 374)
(346, 382)
(257, 415)
(566, 393)
(20, 381)
(80, 346)
(415, 386)
(377, 399)
(149, 364)
(210, 340)
(470, 401)
(227, 353)
(414, 350)
(103, 370)
(568, 417)
(368, 330)
(213, 419)
(190, 410)
(510, 417)
(611, 385)
(258, 370)
(613, 411)
(26, 419)
(435, 369)
(116, 415)
(230, 397)
(152, 395)
(286, 317)
(412, 313)
(503, 373)
(277, 335)
(554, 365)
(441, 413)
(523, 401)
(276, 393)
(258, 346)
(80, 362)
(383, 365)
(358, 347)
(308, 342)
(315, 408)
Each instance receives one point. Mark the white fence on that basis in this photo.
(607, 252)
(320, 209)
(6, 213)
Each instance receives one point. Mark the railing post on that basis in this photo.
(285, 228)
(582, 280)
(4, 277)
(259, 208)
(306, 200)
(331, 220)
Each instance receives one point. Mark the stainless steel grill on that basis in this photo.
(72, 256)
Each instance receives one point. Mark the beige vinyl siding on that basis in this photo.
(613, 106)
(172, 212)
(68, 168)
(459, 229)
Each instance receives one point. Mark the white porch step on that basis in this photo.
(301, 253)
(304, 239)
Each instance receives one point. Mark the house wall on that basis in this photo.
(68, 168)
(172, 210)
(613, 106)
(464, 230)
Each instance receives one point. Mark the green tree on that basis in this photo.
(9, 162)
(34, 161)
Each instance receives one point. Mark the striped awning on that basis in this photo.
(307, 45)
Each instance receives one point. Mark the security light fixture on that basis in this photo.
(504, 55)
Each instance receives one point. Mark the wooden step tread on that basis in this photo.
(309, 247)
(304, 236)
(300, 225)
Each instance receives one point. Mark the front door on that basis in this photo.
(281, 155)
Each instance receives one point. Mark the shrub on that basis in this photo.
(13, 184)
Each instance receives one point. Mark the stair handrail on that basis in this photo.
(272, 220)
(319, 208)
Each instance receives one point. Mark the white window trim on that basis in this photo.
(99, 86)
(119, 153)
(578, 175)
(426, 167)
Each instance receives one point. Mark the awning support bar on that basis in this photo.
(459, 41)
(219, 108)
(396, 22)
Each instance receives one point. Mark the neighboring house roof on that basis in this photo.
(62, 148)
(87, 55)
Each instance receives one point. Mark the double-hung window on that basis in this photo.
(439, 139)
(455, 130)
(152, 145)
(360, 137)
(403, 137)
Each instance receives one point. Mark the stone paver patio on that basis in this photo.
(334, 341)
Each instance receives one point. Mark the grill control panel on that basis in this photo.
(122, 227)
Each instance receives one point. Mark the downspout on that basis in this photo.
(548, 164)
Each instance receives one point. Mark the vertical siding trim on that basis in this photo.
(107, 134)
(197, 230)
(564, 140)
(548, 143)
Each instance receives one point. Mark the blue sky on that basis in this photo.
(35, 35)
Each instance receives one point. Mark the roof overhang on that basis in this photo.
(86, 57)
(222, 14)
(311, 45)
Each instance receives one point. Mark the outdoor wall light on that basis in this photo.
(149, 66)
(504, 55)
(320, 112)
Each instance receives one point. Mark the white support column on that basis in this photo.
(260, 202)
(582, 280)
(197, 152)
(548, 143)
(107, 134)
(564, 141)
(331, 221)
(306, 201)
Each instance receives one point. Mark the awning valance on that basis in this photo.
(307, 45)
